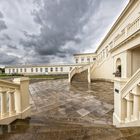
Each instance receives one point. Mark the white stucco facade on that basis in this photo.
(85, 58)
(118, 60)
(40, 69)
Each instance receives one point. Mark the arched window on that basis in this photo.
(118, 72)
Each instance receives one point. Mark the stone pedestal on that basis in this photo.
(120, 104)
(3, 103)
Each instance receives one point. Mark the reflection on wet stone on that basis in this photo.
(69, 112)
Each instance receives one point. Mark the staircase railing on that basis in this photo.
(14, 101)
(129, 103)
(77, 70)
(131, 84)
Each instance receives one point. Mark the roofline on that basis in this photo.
(116, 23)
(84, 54)
(47, 65)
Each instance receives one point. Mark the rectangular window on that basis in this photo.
(70, 68)
(51, 69)
(24, 69)
(20, 70)
(46, 69)
(56, 69)
(32, 70)
(61, 68)
(77, 60)
(40, 69)
(16, 70)
(36, 69)
(88, 59)
(9, 71)
(82, 59)
(13, 70)
(106, 52)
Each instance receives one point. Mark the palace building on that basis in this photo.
(118, 61)
(40, 69)
(85, 58)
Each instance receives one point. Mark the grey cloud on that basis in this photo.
(60, 23)
(8, 59)
(55, 29)
(1, 15)
(14, 47)
(2, 25)
(5, 37)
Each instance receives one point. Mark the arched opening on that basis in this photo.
(118, 68)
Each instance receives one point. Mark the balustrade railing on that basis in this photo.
(133, 27)
(14, 100)
(127, 31)
(79, 70)
(130, 99)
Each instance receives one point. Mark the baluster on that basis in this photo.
(136, 103)
(11, 102)
(129, 99)
(136, 107)
(3, 102)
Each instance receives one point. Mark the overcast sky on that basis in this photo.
(51, 31)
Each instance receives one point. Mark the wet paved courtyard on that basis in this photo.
(71, 103)
(69, 112)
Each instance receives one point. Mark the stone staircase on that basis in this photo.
(81, 74)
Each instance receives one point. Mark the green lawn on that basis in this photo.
(48, 76)
(35, 76)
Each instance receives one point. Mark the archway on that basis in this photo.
(118, 68)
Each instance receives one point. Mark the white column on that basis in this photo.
(11, 103)
(129, 109)
(123, 110)
(3, 103)
(136, 107)
(22, 102)
(89, 75)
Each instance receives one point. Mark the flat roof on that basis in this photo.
(41, 65)
(84, 54)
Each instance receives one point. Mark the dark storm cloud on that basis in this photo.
(60, 22)
(5, 37)
(1, 15)
(8, 59)
(51, 31)
(2, 23)
(12, 47)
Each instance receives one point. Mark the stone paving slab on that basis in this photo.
(83, 112)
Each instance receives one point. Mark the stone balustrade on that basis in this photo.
(132, 105)
(81, 70)
(127, 102)
(14, 100)
(126, 33)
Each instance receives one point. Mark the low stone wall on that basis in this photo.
(80, 77)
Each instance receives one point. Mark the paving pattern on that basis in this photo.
(68, 103)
